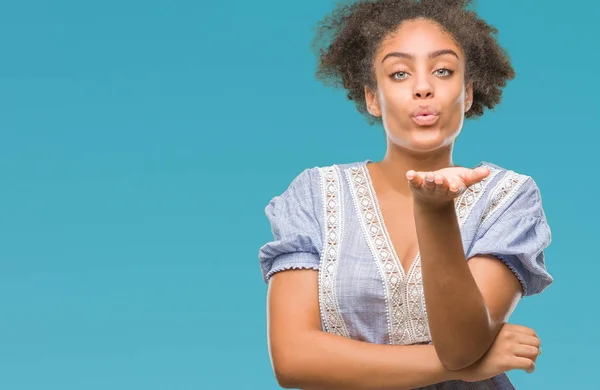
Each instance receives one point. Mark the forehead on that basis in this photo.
(418, 36)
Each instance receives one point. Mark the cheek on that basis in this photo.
(450, 93)
(395, 99)
(455, 114)
(453, 102)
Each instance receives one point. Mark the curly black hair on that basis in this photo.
(347, 40)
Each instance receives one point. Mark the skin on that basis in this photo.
(476, 345)
(483, 290)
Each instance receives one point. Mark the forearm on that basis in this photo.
(459, 321)
(317, 360)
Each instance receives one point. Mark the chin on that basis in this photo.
(424, 139)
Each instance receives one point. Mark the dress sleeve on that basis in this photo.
(295, 227)
(515, 230)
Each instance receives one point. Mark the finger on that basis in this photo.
(456, 186)
(414, 179)
(533, 341)
(523, 329)
(442, 185)
(475, 175)
(429, 181)
(525, 364)
(527, 351)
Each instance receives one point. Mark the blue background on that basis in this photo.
(141, 140)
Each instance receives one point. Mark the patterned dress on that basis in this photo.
(329, 220)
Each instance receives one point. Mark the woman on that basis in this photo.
(402, 273)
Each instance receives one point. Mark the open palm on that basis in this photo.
(445, 184)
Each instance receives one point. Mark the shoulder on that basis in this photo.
(296, 219)
(508, 190)
(309, 181)
(513, 227)
(306, 190)
(506, 172)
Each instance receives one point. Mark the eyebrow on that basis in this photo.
(408, 56)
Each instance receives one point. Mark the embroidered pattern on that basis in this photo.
(407, 314)
(332, 207)
(416, 305)
(414, 280)
(503, 191)
(465, 202)
(391, 274)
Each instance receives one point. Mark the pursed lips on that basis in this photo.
(425, 115)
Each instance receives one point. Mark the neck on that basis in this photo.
(398, 161)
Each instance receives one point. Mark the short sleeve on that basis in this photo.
(295, 227)
(515, 230)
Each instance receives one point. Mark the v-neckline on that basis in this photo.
(386, 234)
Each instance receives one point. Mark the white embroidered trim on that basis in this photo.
(415, 304)
(333, 217)
(465, 202)
(414, 282)
(502, 192)
(406, 311)
(391, 274)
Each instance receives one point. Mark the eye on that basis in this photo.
(443, 72)
(399, 75)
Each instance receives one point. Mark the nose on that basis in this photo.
(423, 89)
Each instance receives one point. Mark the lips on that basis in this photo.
(425, 115)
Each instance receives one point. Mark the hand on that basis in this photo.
(515, 347)
(444, 185)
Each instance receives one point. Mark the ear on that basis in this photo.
(372, 102)
(468, 96)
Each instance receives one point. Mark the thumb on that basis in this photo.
(475, 175)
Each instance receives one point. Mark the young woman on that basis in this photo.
(403, 273)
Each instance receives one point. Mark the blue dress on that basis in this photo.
(329, 220)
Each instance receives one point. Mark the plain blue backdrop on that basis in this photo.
(141, 140)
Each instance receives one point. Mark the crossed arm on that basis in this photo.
(467, 304)
(303, 356)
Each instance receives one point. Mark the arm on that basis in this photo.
(483, 291)
(303, 356)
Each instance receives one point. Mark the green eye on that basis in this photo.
(399, 75)
(444, 72)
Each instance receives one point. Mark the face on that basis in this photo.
(421, 93)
